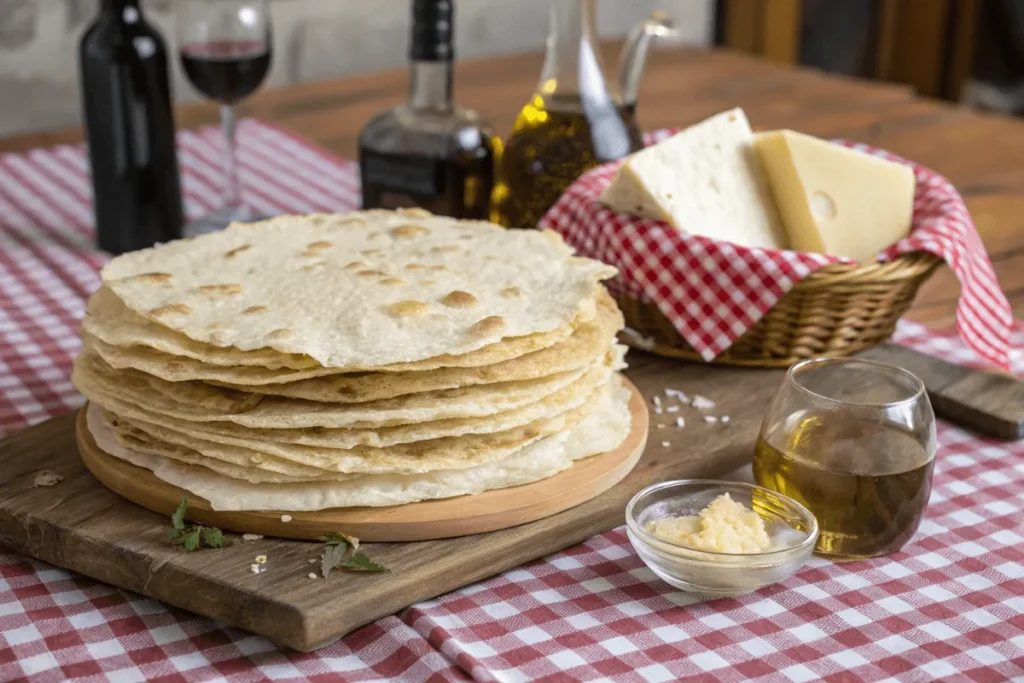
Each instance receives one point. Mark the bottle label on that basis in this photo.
(398, 174)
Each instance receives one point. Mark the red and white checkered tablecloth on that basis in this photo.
(949, 607)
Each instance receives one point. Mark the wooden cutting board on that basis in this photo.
(80, 525)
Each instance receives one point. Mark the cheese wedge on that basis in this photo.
(833, 199)
(705, 180)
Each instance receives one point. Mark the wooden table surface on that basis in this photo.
(983, 155)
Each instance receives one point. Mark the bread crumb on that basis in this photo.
(710, 418)
(254, 568)
(678, 395)
(680, 422)
(666, 444)
(286, 518)
(672, 409)
(702, 403)
(251, 537)
(724, 418)
(311, 575)
(661, 426)
(261, 559)
(47, 478)
(312, 560)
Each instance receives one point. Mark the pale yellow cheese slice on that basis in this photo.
(833, 199)
(705, 180)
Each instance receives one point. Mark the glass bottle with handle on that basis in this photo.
(575, 120)
(129, 128)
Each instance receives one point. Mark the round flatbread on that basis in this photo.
(361, 290)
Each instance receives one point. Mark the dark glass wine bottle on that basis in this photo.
(126, 100)
(429, 153)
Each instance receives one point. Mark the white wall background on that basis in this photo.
(313, 39)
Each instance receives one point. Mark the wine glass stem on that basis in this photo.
(233, 193)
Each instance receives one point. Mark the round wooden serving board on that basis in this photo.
(461, 516)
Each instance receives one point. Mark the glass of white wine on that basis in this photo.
(854, 442)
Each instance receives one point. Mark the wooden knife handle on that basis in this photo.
(989, 403)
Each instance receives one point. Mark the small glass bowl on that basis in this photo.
(714, 574)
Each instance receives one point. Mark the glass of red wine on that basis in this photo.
(225, 49)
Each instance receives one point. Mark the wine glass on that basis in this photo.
(225, 50)
(854, 441)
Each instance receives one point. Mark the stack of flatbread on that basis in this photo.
(364, 359)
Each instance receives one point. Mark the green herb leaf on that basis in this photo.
(212, 537)
(192, 536)
(191, 539)
(336, 555)
(332, 558)
(361, 563)
(178, 518)
(335, 538)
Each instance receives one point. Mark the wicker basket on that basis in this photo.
(839, 309)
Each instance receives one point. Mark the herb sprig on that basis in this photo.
(194, 536)
(340, 553)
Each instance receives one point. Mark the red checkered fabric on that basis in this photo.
(713, 291)
(949, 607)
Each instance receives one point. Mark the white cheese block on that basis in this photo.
(705, 180)
(833, 199)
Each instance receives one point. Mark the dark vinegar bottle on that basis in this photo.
(429, 153)
(129, 126)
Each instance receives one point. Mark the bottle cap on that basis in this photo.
(432, 31)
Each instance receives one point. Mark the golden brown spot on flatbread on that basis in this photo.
(255, 309)
(371, 273)
(511, 292)
(218, 326)
(372, 253)
(220, 290)
(171, 309)
(492, 324)
(315, 248)
(414, 266)
(392, 281)
(428, 283)
(406, 309)
(409, 231)
(416, 212)
(437, 269)
(237, 250)
(445, 249)
(155, 278)
(218, 337)
(355, 265)
(458, 299)
(282, 333)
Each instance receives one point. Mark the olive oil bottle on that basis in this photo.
(867, 483)
(574, 122)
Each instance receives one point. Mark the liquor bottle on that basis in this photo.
(429, 153)
(126, 100)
